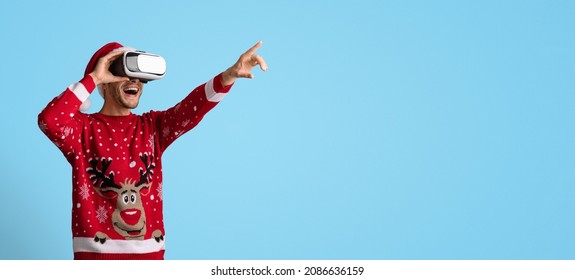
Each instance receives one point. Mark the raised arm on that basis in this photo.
(179, 119)
(60, 119)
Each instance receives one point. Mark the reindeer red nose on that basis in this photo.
(131, 216)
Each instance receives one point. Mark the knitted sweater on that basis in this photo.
(117, 168)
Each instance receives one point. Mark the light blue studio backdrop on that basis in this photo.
(382, 130)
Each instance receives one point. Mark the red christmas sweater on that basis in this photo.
(117, 168)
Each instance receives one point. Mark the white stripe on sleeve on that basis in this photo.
(211, 94)
(80, 91)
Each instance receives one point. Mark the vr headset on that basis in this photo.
(141, 65)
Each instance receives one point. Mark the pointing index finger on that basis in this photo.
(254, 48)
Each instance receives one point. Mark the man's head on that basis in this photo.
(120, 94)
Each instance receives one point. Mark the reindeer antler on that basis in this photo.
(144, 174)
(99, 177)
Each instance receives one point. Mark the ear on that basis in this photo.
(107, 192)
(145, 189)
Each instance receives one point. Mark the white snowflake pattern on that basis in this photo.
(160, 191)
(151, 142)
(166, 131)
(101, 214)
(85, 191)
(185, 122)
(66, 130)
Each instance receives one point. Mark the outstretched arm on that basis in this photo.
(179, 119)
(243, 67)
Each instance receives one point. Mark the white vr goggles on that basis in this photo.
(140, 65)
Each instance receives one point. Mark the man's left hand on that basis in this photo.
(243, 67)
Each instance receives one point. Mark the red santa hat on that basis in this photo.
(103, 51)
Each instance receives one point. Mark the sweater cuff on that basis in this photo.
(219, 86)
(83, 88)
(215, 90)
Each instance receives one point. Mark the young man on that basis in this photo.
(116, 155)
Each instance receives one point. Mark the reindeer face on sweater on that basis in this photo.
(128, 218)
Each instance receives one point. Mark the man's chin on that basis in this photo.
(130, 105)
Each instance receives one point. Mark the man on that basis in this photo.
(116, 155)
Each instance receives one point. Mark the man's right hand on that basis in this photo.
(102, 74)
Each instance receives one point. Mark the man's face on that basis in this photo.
(125, 94)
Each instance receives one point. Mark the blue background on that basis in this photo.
(382, 129)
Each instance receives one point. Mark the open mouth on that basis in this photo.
(131, 90)
(131, 216)
(134, 232)
(131, 232)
